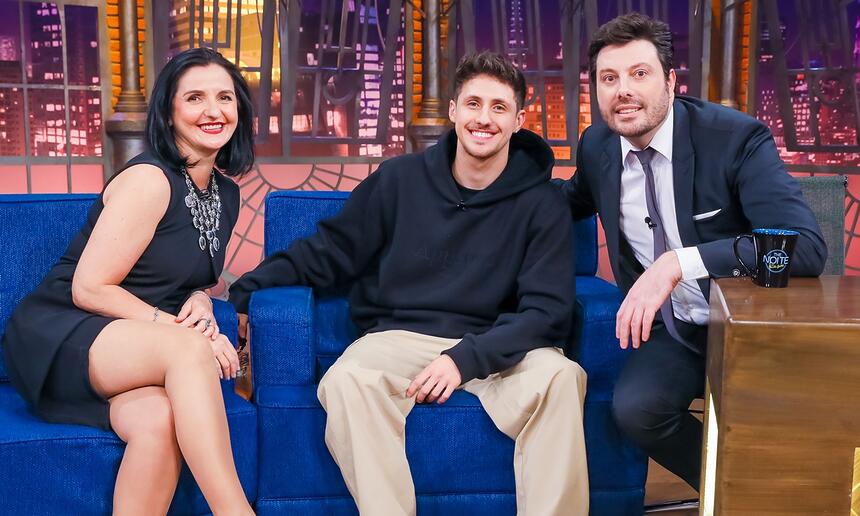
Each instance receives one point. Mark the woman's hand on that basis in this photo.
(243, 327)
(197, 313)
(226, 356)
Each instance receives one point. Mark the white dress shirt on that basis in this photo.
(688, 301)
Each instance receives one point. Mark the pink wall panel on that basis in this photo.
(13, 179)
(49, 179)
(87, 178)
(284, 176)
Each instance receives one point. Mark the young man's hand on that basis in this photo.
(436, 382)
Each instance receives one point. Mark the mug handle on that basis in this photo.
(738, 255)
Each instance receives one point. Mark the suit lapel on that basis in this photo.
(611, 167)
(683, 178)
(683, 175)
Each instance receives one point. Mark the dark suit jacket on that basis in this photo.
(722, 159)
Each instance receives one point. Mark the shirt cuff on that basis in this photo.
(692, 266)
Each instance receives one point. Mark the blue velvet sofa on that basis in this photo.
(460, 462)
(69, 469)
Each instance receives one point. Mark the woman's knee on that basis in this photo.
(144, 415)
(192, 349)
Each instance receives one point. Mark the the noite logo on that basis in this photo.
(776, 261)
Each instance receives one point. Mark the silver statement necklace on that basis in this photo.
(205, 213)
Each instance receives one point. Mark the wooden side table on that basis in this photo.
(782, 403)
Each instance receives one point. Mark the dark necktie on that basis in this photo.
(659, 231)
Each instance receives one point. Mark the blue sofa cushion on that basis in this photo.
(37, 229)
(48, 466)
(626, 502)
(454, 441)
(70, 469)
(594, 345)
(475, 504)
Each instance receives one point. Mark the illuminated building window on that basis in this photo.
(338, 86)
(48, 114)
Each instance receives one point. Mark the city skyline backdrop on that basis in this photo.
(51, 96)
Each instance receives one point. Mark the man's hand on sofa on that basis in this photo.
(436, 382)
(637, 311)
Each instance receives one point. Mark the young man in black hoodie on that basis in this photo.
(461, 268)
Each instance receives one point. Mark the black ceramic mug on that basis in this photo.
(773, 253)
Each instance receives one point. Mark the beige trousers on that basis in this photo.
(538, 403)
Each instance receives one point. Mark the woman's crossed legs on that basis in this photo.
(163, 386)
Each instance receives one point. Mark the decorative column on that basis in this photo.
(432, 120)
(125, 126)
(728, 85)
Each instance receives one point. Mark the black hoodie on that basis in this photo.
(495, 271)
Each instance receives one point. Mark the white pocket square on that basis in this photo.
(707, 214)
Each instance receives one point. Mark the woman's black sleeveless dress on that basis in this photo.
(48, 338)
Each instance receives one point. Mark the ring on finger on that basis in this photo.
(207, 322)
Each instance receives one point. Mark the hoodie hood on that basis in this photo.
(530, 162)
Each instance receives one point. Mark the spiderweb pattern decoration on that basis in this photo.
(246, 245)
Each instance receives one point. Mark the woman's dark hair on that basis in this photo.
(627, 28)
(237, 156)
(495, 65)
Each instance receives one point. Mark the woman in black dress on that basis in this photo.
(120, 334)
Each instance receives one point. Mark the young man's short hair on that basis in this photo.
(495, 65)
(627, 28)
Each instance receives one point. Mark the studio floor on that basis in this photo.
(663, 487)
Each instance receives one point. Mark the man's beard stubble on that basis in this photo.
(654, 116)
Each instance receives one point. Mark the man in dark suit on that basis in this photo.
(674, 180)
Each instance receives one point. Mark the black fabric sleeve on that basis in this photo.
(336, 254)
(576, 189)
(545, 295)
(770, 198)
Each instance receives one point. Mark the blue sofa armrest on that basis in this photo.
(228, 322)
(283, 336)
(596, 349)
